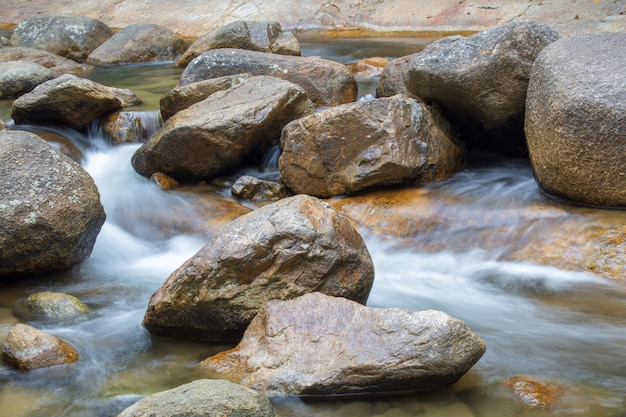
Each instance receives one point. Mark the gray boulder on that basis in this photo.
(27, 348)
(203, 398)
(50, 306)
(19, 77)
(393, 77)
(73, 37)
(250, 188)
(70, 100)
(55, 63)
(354, 146)
(225, 130)
(141, 42)
(50, 211)
(322, 345)
(261, 36)
(181, 97)
(481, 81)
(283, 250)
(326, 82)
(576, 119)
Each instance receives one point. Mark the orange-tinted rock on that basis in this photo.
(533, 393)
(368, 67)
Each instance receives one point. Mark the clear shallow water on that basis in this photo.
(562, 326)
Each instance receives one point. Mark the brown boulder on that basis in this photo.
(70, 100)
(322, 345)
(181, 97)
(27, 348)
(19, 77)
(50, 211)
(73, 37)
(250, 188)
(282, 250)
(55, 63)
(534, 394)
(327, 83)
(141, 42)
(225, 130)
(576, 119)
(354, 146)
(261, 36)
(128, 127)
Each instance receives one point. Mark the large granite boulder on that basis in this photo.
(203, 398)
(326, 82)
(280, 251)
(141, 42)
(322, 345)
(55, 63)
(354, 146)
(481, 81)
(225, 130)
(73, 37)
(50, 211)
(261, 36)
(70, 100)
(49, 306)
(27, 348)
(19, 77)
(576, 119)
(181, 97)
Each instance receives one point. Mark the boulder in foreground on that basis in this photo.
(283, 250)
(27, 348)
(322, 345)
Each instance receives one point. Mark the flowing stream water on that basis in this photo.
(560, 326)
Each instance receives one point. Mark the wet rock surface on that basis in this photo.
(576, 119)
(322, 345)
(50, 210)
(27, 348)
(355, 146)
(282, 250)
(49, 306)
(250, 188)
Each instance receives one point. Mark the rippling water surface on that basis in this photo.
(565, 327)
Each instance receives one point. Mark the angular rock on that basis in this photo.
(576, 119)
(255, 189)
(70, 100)
(203, 398)
(354, 146)
(227, 129)
(52, 306)
(327, 83)
(368, 67)
(50, 211)
(481, 81)
(55, 63)
(129, 127)
(27, 348)
(19, 77)
(261, 36)
(73, 37)
(280, 251)
(181, 97)
(322, 345)
(393, 77)
(141, 42)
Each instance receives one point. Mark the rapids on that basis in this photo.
(566, 327)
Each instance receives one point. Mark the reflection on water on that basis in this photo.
(565, 327)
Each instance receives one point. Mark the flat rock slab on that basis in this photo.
(322, 345)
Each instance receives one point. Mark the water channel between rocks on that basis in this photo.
(559, 326)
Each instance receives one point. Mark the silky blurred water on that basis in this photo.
(566, 327)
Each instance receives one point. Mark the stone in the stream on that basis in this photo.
(250, 188)
(73, 37)
(140, 42)
(57, 64)
(27, 348)
(326, 82)
(50, 306)
(50, 210)
(532, 392)
(285, 249)
(322, 345)
(229, 128)
(70, 100)
(19, 77)
(354, 146)
(128, 127)
(576, 119)
(203, 398)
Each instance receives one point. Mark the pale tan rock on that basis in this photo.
(51, 306)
